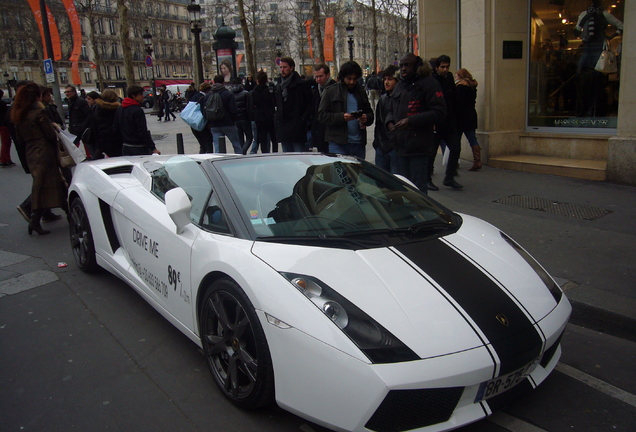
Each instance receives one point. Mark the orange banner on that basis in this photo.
(55, 35)
(308, 29)
(329, 38)
(239, 59)
(77, 39)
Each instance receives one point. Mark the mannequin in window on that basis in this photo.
(591, 26)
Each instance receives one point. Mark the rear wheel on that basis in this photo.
(82, 237)
(235, 347)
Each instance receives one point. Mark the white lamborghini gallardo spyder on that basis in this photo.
(324, 284)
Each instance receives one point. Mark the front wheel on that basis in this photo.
(82, 237)
(235, 347)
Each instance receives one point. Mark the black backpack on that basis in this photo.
(214, 109)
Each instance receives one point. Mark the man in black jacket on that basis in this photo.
(416, 104)
(293, 108)
(446, 131)
(130, 121)
(78, 112)
(322, 77)
(346, 111)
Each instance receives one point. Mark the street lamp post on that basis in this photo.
(279, 47)
(147, 37)
(194, 10)
(350, 29)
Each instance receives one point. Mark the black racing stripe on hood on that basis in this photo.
(479, 296)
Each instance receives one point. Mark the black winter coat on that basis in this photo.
(293, 114)
(419, 98)
(130, 122)
(78, 114)
(466, 113)
(262, 104)
(448, 88)
(333, 105)
(318, 128)
(106, 138)
(240, 95)
(229, 104)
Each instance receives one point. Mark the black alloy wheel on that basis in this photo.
(235, 347)
(82, 237)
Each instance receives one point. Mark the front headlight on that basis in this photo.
(376, 342)
(545, 277)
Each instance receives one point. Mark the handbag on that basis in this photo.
(193, 116)
(607, 61)
(64, 158)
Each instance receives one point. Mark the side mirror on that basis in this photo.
(178, 205)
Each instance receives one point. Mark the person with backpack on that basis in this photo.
(221, 112)
(204, 136)
(374, 85)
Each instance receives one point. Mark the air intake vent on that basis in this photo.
(124, 169)
(403, 410)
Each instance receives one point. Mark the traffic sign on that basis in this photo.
(48, 71)
(148, 61)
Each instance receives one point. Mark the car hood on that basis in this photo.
(438, 296)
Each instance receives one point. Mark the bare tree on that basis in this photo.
(249, 52)
(315, 6)
(87, 8)
(124, 30)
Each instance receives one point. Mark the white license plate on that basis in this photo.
(500, 384)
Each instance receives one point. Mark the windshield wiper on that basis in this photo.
(432, 226)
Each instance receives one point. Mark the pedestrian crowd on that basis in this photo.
(417, 106)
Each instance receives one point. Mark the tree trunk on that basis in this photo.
(316, 24)
(124, 30)
(249, 51)
(96, 53)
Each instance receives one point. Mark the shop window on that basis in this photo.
(564, 90)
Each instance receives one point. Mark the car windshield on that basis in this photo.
(300, 195)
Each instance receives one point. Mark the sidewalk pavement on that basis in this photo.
(583, 232)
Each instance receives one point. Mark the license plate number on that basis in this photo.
(499, 385)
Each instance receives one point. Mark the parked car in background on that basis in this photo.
(149, 99)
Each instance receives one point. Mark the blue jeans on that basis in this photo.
(471, 136)
(358, 150)
(231, 133)
(289, 147)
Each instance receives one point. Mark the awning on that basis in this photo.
(167, 82)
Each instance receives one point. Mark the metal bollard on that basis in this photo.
(222, 148)
(180, 149)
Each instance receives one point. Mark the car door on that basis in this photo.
(160, 258)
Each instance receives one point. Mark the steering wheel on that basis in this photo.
(328, 192)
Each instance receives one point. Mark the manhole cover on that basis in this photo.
(554, 207)
(157, 137)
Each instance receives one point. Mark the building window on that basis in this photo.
(118, 72)
(111, 26)
(157, 71)
(63, 77)
(87, 77)
(167, 69)
(564, 90)
(100, 26)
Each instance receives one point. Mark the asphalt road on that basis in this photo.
(84, 352)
